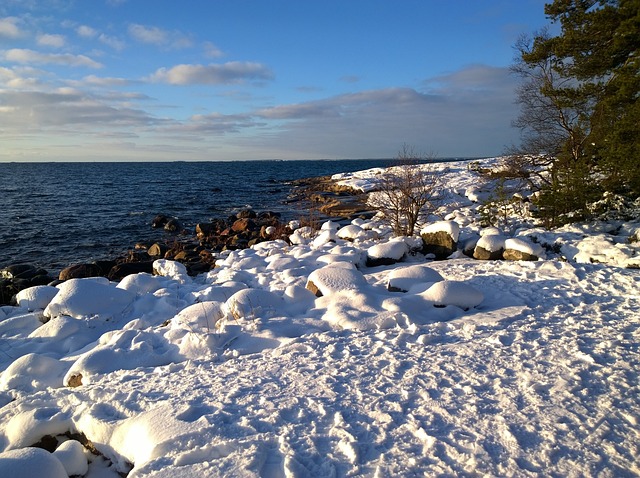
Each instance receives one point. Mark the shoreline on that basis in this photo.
(318, 198)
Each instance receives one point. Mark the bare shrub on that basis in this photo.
(407, 191)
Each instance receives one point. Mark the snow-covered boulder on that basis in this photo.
(335, 277)
(402, 279)
(456, 293)
(202, 317)
(440, 238)
(489, 247)
(71, 455)
(33, 372)
(387, 253)
(253, 303)
(171, 269)
(92, 297)
(30, 462)
(519, 249)
(37, 297)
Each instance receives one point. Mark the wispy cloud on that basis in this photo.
(55, 41)
(86, 31)
(26, 56)
(214, 74)
(157, 36)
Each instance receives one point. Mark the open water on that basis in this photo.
(56, 214)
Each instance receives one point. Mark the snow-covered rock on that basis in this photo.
(387, 253)
(86, 298)
(404, 278)
(335, 277)
(489, 247)
(33, 372)
(456, 293)
(37, 297)
(72, 456)
(520, 249)
(30, 462)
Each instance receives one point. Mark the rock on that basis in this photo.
(205, 230)
(247, 214)
(440, 238)
(335, 277)
(402, 279)
(157, 250)
(244, 225)
(75, 380)
(515, 255)
(173, 225)
(120, 271)
(80, 271)
(489, 247)
(386, 253)
(159, 221)
(18, 271)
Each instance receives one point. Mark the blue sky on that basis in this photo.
(134, 80)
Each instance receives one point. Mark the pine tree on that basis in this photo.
(579, 102)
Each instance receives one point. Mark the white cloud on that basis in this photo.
(214, 74)
(105, 81)
(19, 55)
(157, 36)
(86, 31)
(113, 42)
(9, 27)
(55, 41)
(151, 35)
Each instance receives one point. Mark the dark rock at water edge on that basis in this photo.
(17, 277)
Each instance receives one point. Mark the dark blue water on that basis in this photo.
(56, 214)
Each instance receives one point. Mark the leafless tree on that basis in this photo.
(407, 191)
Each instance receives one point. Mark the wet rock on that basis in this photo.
(80, 271)
(159, 221)
(173, 225)
(157, 250)
(244, 225)
(18, 271)
(120, 271)
(246, 214)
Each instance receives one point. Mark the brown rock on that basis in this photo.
(75, 380)
(244, 225)
(482, 254)
(440, 244)
(515, 255)
(157, 250)
(80, 271)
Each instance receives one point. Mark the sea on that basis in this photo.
(56, 214)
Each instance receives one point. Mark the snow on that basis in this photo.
(453, 368)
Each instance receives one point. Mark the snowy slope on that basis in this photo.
(516, 369)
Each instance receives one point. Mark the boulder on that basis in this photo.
(80, 271)
(440, 238)
(246, 214)
(489, 247)
(244, 225)
(159, 221)
(157, 250)
(520, 249)
(402, 279)
(120, 271)
(335, 277)
(173, 225)
(19, 271)
(386, 253)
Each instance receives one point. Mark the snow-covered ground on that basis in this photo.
(463, 368)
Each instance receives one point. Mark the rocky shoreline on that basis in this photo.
(319, 199)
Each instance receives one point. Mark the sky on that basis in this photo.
(160, 80)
